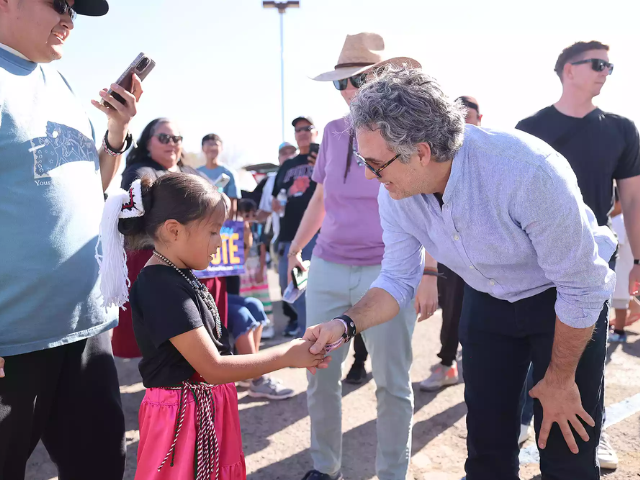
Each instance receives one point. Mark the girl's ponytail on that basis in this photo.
(123, 215)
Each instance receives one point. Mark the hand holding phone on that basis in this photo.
(140, 67)
(314, 148)
(120, 102)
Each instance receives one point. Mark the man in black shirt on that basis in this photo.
(294, 178)
(600, 146)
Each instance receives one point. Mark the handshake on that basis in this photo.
(318, 341)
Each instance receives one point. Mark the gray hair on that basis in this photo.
(409, 107)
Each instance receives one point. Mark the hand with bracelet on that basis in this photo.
(331, 335)
(117, 139)
(294, 259)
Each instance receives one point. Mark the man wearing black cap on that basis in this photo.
(58, 380)
(294, 180)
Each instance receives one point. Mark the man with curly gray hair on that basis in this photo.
(480, 202)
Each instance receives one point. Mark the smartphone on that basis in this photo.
(299, 277)
(141, 66)
(314, 147)
(222, 180)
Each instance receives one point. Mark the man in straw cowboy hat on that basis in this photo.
(346, 260)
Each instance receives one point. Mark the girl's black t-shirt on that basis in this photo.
(165, 305)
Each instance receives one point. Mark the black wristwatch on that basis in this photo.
(351, 327)
(636, 262)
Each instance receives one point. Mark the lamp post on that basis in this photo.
(282, 8)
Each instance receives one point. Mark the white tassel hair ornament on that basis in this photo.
(114, 276)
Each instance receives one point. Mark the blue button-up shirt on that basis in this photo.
(513, 224)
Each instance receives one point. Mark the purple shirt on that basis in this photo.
(351, 233)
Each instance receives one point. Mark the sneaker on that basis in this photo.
(617, 337)
(357, 374)
(291, 330)
(441, 377)
(316, 475)
(525, 434)
(607, 456)
(268, 332)
(265, 387)
(243, 383)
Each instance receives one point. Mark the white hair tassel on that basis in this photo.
(114, 275)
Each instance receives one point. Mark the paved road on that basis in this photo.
(276, 434)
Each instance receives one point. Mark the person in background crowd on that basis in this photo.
(272, 219)
(254, 282)
(294, 178)
(346, 260)
(248, 314)
(478, 200)
(601, 147)
(158, 152)
(450, 295)
(212, 148)
(627, 308)
(58, 380)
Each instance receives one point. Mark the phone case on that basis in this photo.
(141, 66)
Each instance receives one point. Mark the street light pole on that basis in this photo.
(282, 8)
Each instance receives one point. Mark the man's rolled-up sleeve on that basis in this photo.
(403, 260)
(572, 249)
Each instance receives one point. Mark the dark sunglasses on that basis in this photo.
(62, 7)
(308, 128)
(596, 64)
(357, 81)
(164, 139)
(376, 171)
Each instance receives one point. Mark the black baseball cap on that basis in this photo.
(91, 8)
(297, 119)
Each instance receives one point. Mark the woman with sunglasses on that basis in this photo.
(158, 152)
(346, 260)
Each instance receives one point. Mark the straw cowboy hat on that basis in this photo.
(360, 53)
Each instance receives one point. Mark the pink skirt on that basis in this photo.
(176, 448)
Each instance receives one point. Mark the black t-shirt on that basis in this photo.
(295, 177)
(149, 167)
(604, 148)
(164, 305)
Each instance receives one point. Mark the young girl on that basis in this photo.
(189, 424)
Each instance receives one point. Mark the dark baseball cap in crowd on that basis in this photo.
(297, 119)
(468, 103)
(91, 8)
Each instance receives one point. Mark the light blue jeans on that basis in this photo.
(333, 289)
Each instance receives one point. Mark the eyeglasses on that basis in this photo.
(62, 7)
(357, 81)
(597, 64)
(376, 171)
(308, 128)
(164, 139)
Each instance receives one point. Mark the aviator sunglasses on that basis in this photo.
(597, 64)
(357, 81)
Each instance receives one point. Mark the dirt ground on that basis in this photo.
(276, 434)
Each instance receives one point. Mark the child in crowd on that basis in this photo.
(254, 281)
(189, 424)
